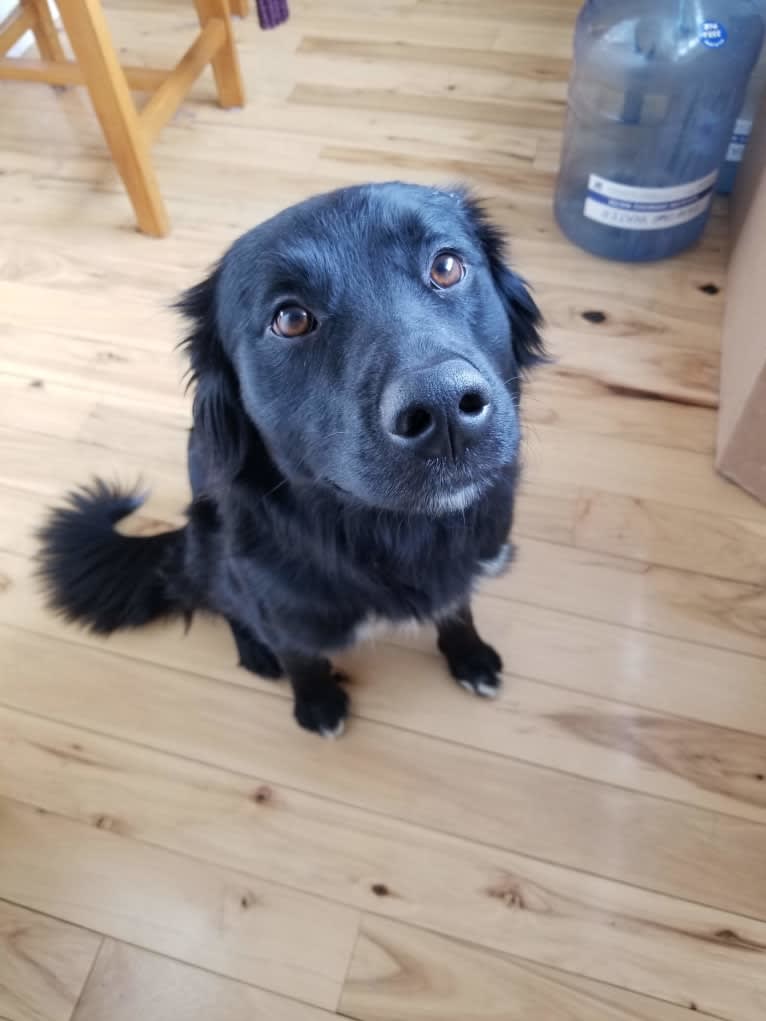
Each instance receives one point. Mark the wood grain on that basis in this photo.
(493, 898)
(128, 983)
(43, 965)
(637, 594)
(228, 922)
(647, 530)
(401, 973)
(247, 731)
(536, 722)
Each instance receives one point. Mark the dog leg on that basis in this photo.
(253, 654)
(321, 704)
(474, 664)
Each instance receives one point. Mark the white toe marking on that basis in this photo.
(335, 732)
(482, 688)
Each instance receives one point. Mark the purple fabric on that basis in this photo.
(272, 12)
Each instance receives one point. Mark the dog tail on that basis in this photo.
(105, 580)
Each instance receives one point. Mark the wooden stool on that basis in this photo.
(129, 132)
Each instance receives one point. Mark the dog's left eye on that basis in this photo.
(447, 269)
(293, 321)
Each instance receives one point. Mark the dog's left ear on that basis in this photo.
(219, 418)
(523, 313)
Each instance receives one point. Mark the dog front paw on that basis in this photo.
(324, 709)
(477, 669)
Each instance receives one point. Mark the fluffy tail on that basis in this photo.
(100, 578)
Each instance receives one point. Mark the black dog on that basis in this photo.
(353, 455)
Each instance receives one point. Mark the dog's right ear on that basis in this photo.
(220, 421)
(523, 314)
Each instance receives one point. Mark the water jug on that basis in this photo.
(655, 89)
(756, 90)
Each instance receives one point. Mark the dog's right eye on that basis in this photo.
(293, 321)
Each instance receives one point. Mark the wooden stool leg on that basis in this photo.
(240, 7)
(89, 35)
(228, 80)
(46, 36)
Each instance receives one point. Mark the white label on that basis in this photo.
(739, 140)
(631, 208)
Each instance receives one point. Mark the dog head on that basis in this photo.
(370, 340)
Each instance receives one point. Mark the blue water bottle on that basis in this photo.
(655, 90)
(756, 89)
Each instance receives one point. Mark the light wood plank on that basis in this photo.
(400, 972)
(628, 665)
(654, 531)
(43, 965)
(680, 281)
(128, 983)
(637, 594)
(496, 899)
(421, 52)
(552, 39)
(114, 421)
(540, 723)
(693, 325)
(492, 799)
(149, 324)
(590, 403)
(461, 81)
(225, 921)
(636, 470)
(96, 366)
(638, 368)
(523, 113)
(87, 460)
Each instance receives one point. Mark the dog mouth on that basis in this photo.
(432, 496)
(459, 498)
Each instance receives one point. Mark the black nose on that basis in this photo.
(437, 411)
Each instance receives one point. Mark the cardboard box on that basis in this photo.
(741, 448)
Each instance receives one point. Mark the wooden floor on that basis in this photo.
(590, 848)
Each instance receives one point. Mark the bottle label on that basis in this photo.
(738, 140)
(631, 208)
(713, 34)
